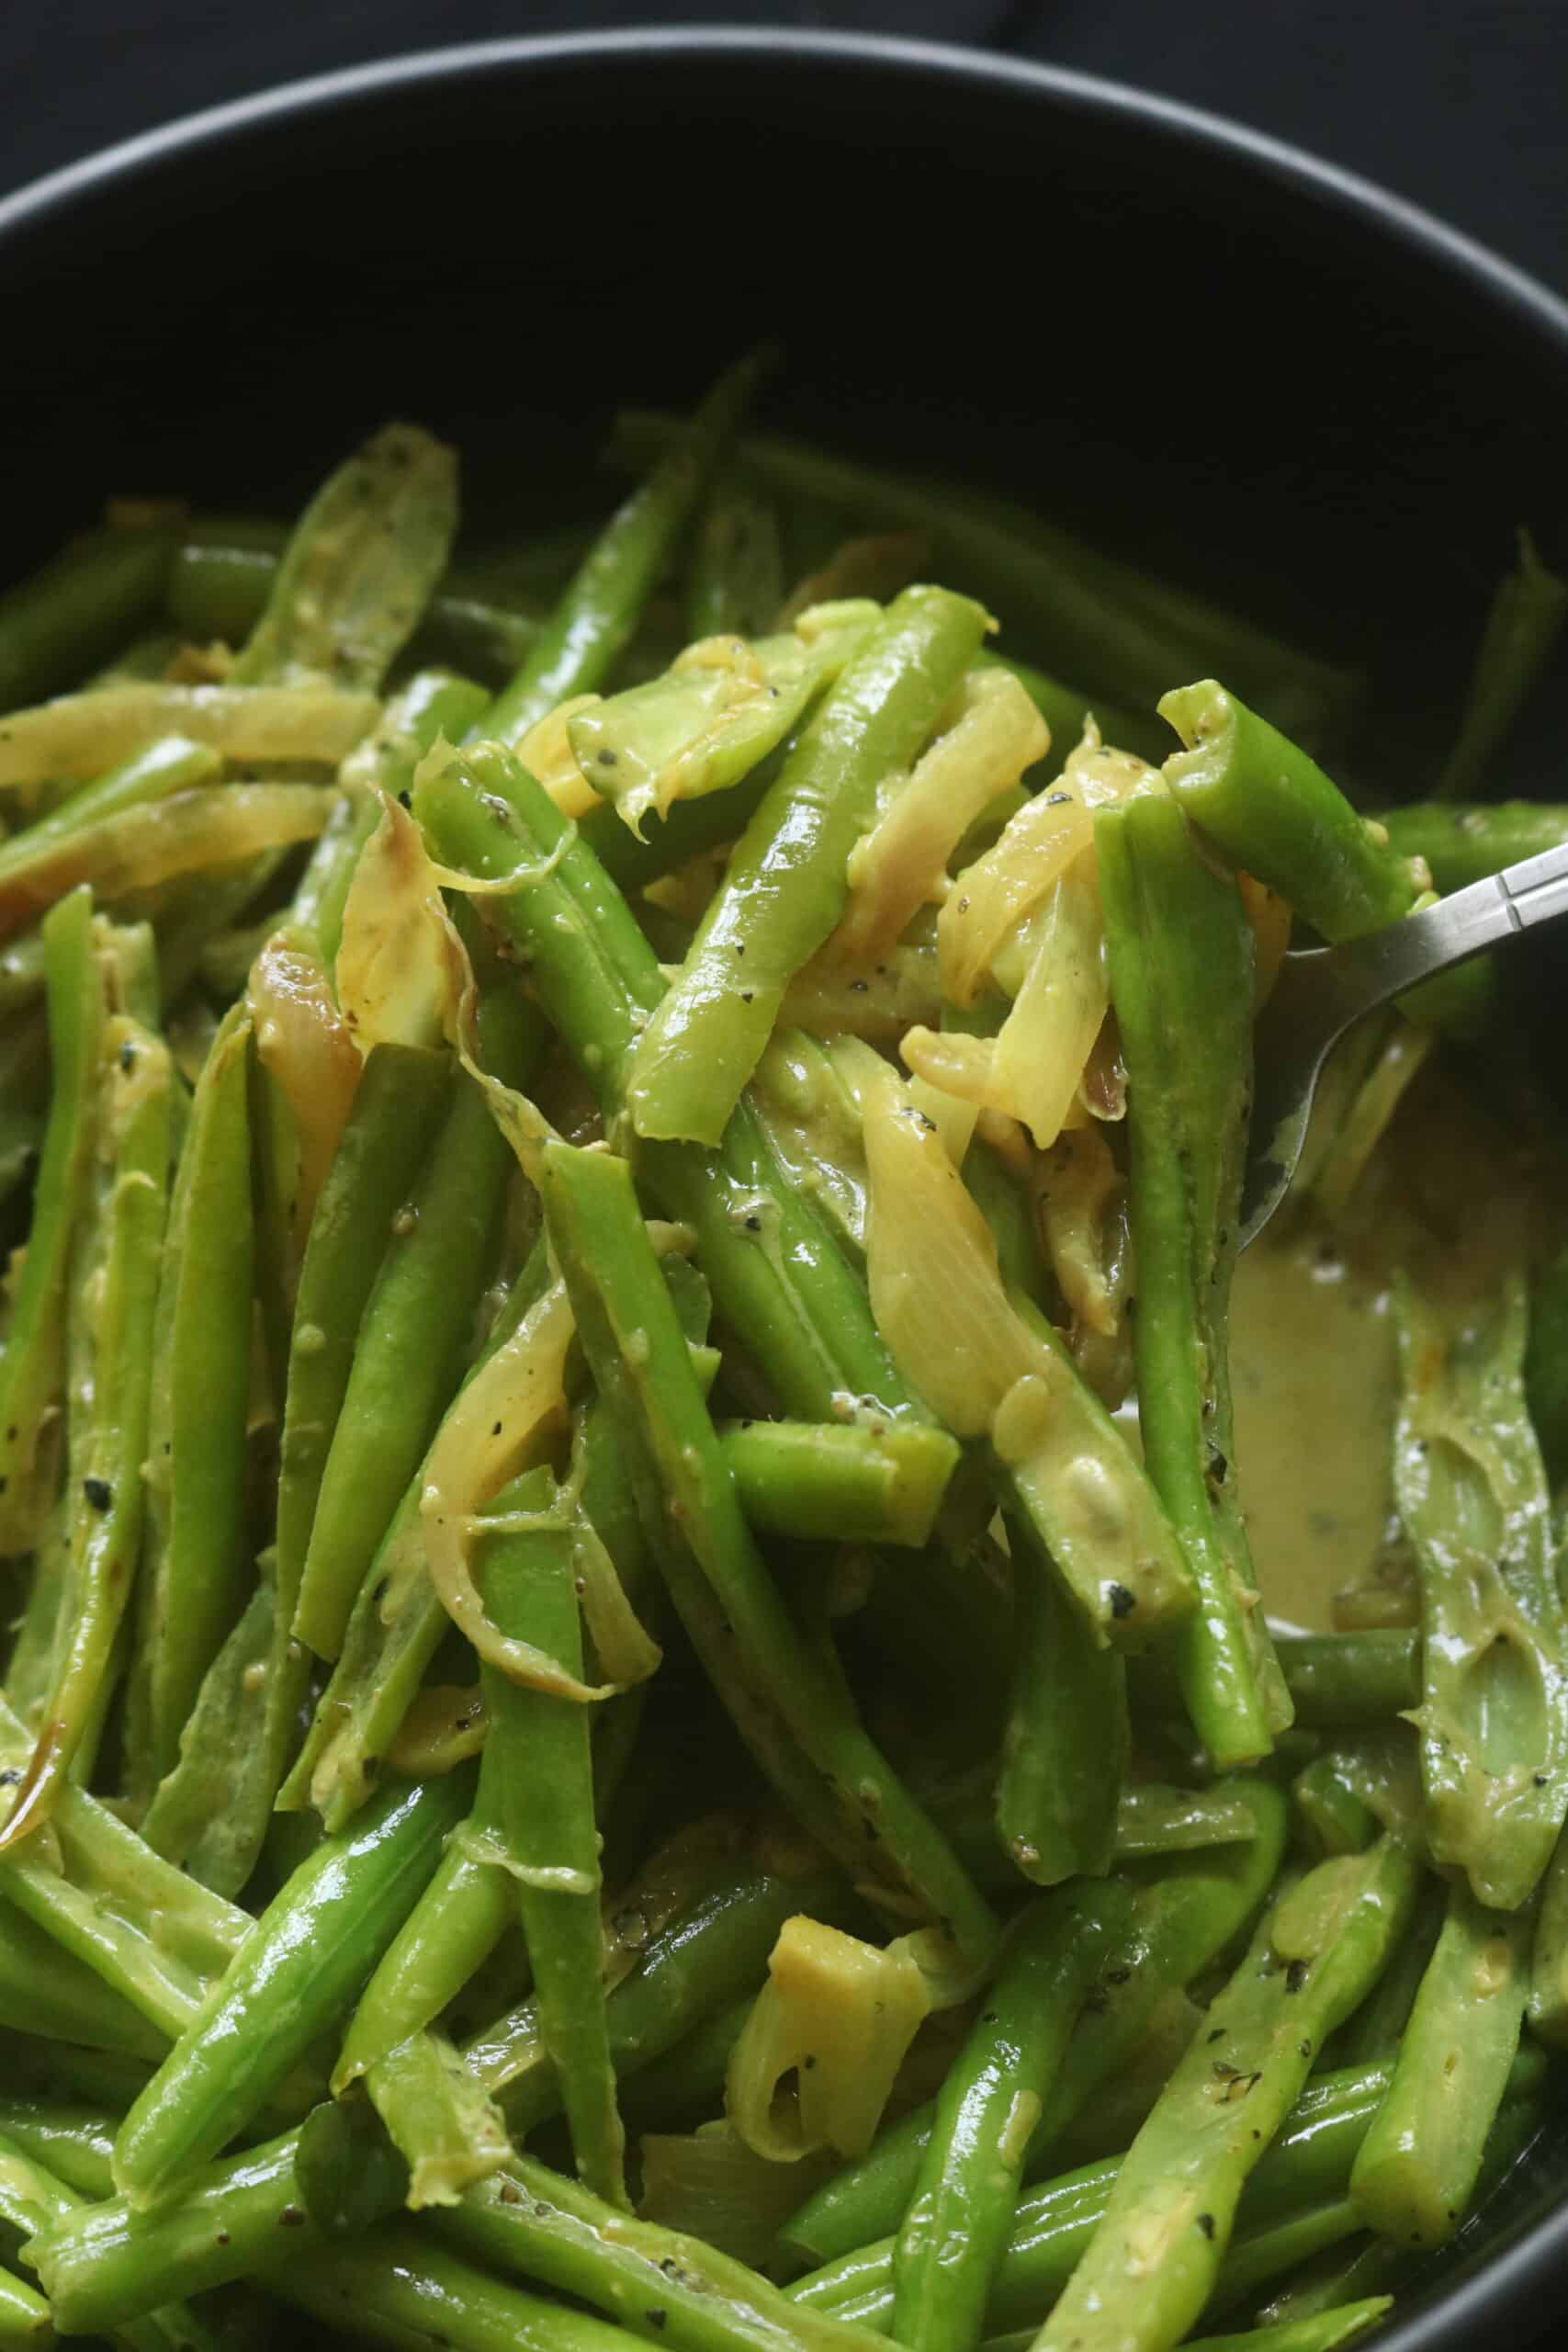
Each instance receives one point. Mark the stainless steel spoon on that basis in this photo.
(1322, 990)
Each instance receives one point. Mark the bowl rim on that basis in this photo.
(1421, 231)
(1534, 2255)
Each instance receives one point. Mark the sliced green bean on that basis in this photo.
(785, 886)
(1275, 812)
(107, 1457)
(397, 1106)
(295, 1976)
(1068, 1735)
(196, 1562)
(1417, 2167)
(1473, 1496)
(1156, 2257)
(92, 597)
(542, 1778)
(1188, 1914)
(32, 1368)
(407, 1360)
(823, 1761)
(597, 615)
(359, 566)
(1523, 625)
(1180, 961)
(843, 1480)
(46, 1989)
(960, 2214)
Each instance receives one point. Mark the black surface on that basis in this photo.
(1457, 104)
(1209, 355)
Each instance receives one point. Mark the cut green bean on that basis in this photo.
(1417, 2167)
(1522, 629)
(784, 888)
(1187, 1913)
(407, 1360)
(32, 1368)
(1068, 1736)
(839, 1480)
(1180, 961)
(1274, 811)
(356, 571)
(1156, 2257)
(543, 1778)
(1473, 1496)
(107, 1456)
(46, 1989)
(824, 1764)
(960, 2214)
(92, 597)
(294, 1977)
(196, 1561)
(735, 583)
(600, 610)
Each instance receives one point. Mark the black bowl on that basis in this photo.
(1260, 374)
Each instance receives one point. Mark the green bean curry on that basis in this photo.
(686, 1656)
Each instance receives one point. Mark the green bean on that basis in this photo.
(1169, 2219)
(192, 1590)
(32, 1368)
(110, 2262)
(170, 765)
(544, 1810)
(397, 1105)
(1068, 1735)
(107, 1457)
(89, 1893)
(396, 2288)
(1065, 711)
(688, 2081)
(34, 2200)
(661, 2284)
(712, 1952)
(960, 2214)
(779, 1279)
(407, 1358)
(1462, 845)
(735, 583)
(1546, 1366)
(394, 1630)
(75, 2143)
(358, 566)
(48, 1990)
(296, 1974)
(1473, 1496)
(822, 1761)
(224, 573)
(1188, 1914)
(1274, 811)
(1109, 624)
(438, 2116)
(25, 2316)
(92, 597)
(598, 613)
(1349, 1681)
(1417, 2167)
(1180, 961)
(1523, 625)
(842, 1480)
(785, 886)
(1331, 1815)
(1375, 2027)
(1052, 2226)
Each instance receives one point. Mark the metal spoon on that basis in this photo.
(1321, 991)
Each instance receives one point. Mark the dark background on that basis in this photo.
(1457, 104)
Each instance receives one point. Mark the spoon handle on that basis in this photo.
(1367, 972)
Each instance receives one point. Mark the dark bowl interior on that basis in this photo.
(1193, 344)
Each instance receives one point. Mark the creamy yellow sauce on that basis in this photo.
(1312, 1365)
(1455, 1198)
